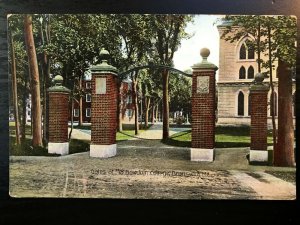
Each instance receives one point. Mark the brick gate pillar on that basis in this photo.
(58, 117)
(259, 126)
(103, 109)
(203, 109)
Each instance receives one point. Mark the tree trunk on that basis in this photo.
(15, 91)
(165, 104)
(80, 122)
(284, 154)
(161, 112)
(47, 60)
(44, 95)
(35, 83)
(44, 85)
(156, 112)
(24, 113)
(272, 94)
(25, 97)
(147, 104)
(258, 47)
(47, 99)
(136, 107)
(153, 112)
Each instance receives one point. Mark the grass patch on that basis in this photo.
(129, 132)
(12, 129)
(226, 137)
(25, 149)
(181, 139)
(125, 135)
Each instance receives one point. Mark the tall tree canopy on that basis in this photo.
(69, 44)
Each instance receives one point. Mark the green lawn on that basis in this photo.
(129, 132)
(226, 137)
(125, 135)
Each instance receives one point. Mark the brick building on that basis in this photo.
(126, 99)
(237, 63)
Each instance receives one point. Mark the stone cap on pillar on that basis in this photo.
(58, 87)
(258, 84)
(104, 67)
(204, 52)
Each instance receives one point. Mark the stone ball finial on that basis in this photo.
(204, 52)
(104, 54)
(259, 78)
(58, 80)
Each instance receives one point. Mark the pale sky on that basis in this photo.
(205, 35)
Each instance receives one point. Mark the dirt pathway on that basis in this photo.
(265, 185)
(145, 168)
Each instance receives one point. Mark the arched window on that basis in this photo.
(243, 52)
(241, 104)
(242, 73)
(250, 72)
(250, 52)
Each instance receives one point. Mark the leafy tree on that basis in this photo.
(170, 30)
(135, 35)
(75, 45)
(180, 93)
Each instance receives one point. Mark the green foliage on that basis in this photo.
(169, 30)
(70, 44)
(180, 93)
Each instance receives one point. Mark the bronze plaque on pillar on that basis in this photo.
(100, 85)
(202, 84)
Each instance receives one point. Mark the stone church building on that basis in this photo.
(237, 67)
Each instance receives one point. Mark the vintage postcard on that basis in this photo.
(152, 106)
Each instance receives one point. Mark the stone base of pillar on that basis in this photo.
(258, 156)
(103, 151)
(202, 154)
(58, 148)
